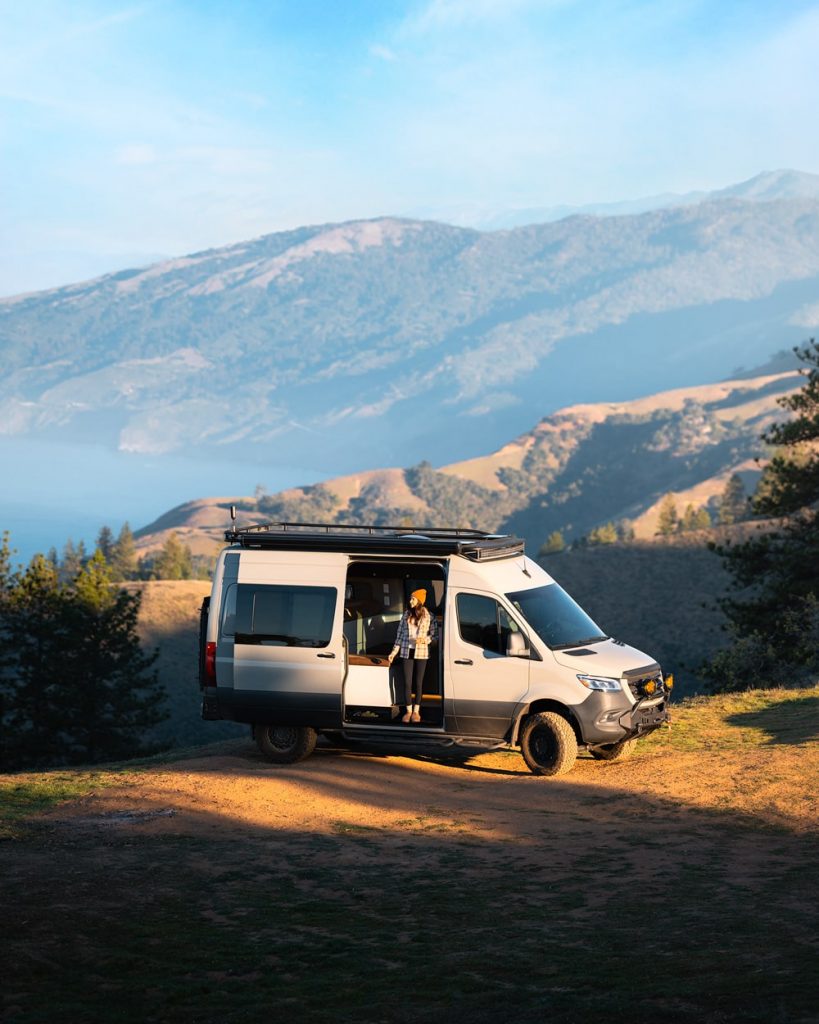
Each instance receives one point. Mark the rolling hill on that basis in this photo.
(577, 468)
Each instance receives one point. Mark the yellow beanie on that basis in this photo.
(419, 595)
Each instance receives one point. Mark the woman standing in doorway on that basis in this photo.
(415, 631)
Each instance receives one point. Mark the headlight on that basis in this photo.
(599, 682)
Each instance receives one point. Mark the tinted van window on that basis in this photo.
(555, 617)
(229, 610)
(483, 622)
(289, 615)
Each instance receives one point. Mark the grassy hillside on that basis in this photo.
(657, 596)
(169, 622)
(356, 888)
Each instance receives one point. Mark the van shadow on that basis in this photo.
(453, 759)
(790, 722)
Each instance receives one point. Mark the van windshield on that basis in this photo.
(555, 617)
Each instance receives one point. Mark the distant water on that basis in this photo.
(52, 491)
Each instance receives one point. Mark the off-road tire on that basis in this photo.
(548, 744)
(285, 744)
(614, 751)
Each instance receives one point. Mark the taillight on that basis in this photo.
(210, 663)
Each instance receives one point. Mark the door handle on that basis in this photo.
(329, 655)
(463, 661)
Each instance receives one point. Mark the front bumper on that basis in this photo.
(611, 717)
(641, 719)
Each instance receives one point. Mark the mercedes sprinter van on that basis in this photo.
(295, 638)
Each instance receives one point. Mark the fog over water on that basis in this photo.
(52, 491)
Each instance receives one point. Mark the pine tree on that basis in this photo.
(702, 520)
(5, 562)
(75, 685)
(123, 560)
(733, 506)
(774, 610)
(174, 561)
(71, 562)
(105, 543)
(689, 519)
(112, 697)
(6, 643)
(35, 632)
(667, 519)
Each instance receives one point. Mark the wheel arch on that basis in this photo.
(546, 704)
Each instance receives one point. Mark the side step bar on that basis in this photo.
(423, 738)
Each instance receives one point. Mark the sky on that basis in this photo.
(135, 131)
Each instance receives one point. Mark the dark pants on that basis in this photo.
(420, 667)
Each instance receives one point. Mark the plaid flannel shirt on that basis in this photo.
(427, 630)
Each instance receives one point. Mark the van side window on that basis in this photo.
(506, 625)
(483, 622)
(229, 610)
(288, 615)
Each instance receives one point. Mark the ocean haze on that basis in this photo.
(55, 490)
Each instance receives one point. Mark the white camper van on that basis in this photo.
(295, 636)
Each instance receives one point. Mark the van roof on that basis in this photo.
(377, 540)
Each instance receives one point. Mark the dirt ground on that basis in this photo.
(230, 793)
(222, 888)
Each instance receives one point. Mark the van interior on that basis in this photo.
(376, 595)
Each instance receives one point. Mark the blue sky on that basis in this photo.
(136, 130)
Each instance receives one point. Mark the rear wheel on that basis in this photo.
(548, 744)
(285, 744)
(614, 751)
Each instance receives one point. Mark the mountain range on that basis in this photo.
(781, 184)
(394, 341)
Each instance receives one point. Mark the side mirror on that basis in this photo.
(516, 646)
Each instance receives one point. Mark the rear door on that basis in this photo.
(486, 683)
(288, 651)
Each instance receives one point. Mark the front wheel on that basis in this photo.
(548, 744)
(285, 744)
(614, 751)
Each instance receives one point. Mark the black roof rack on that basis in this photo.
(388, 540)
